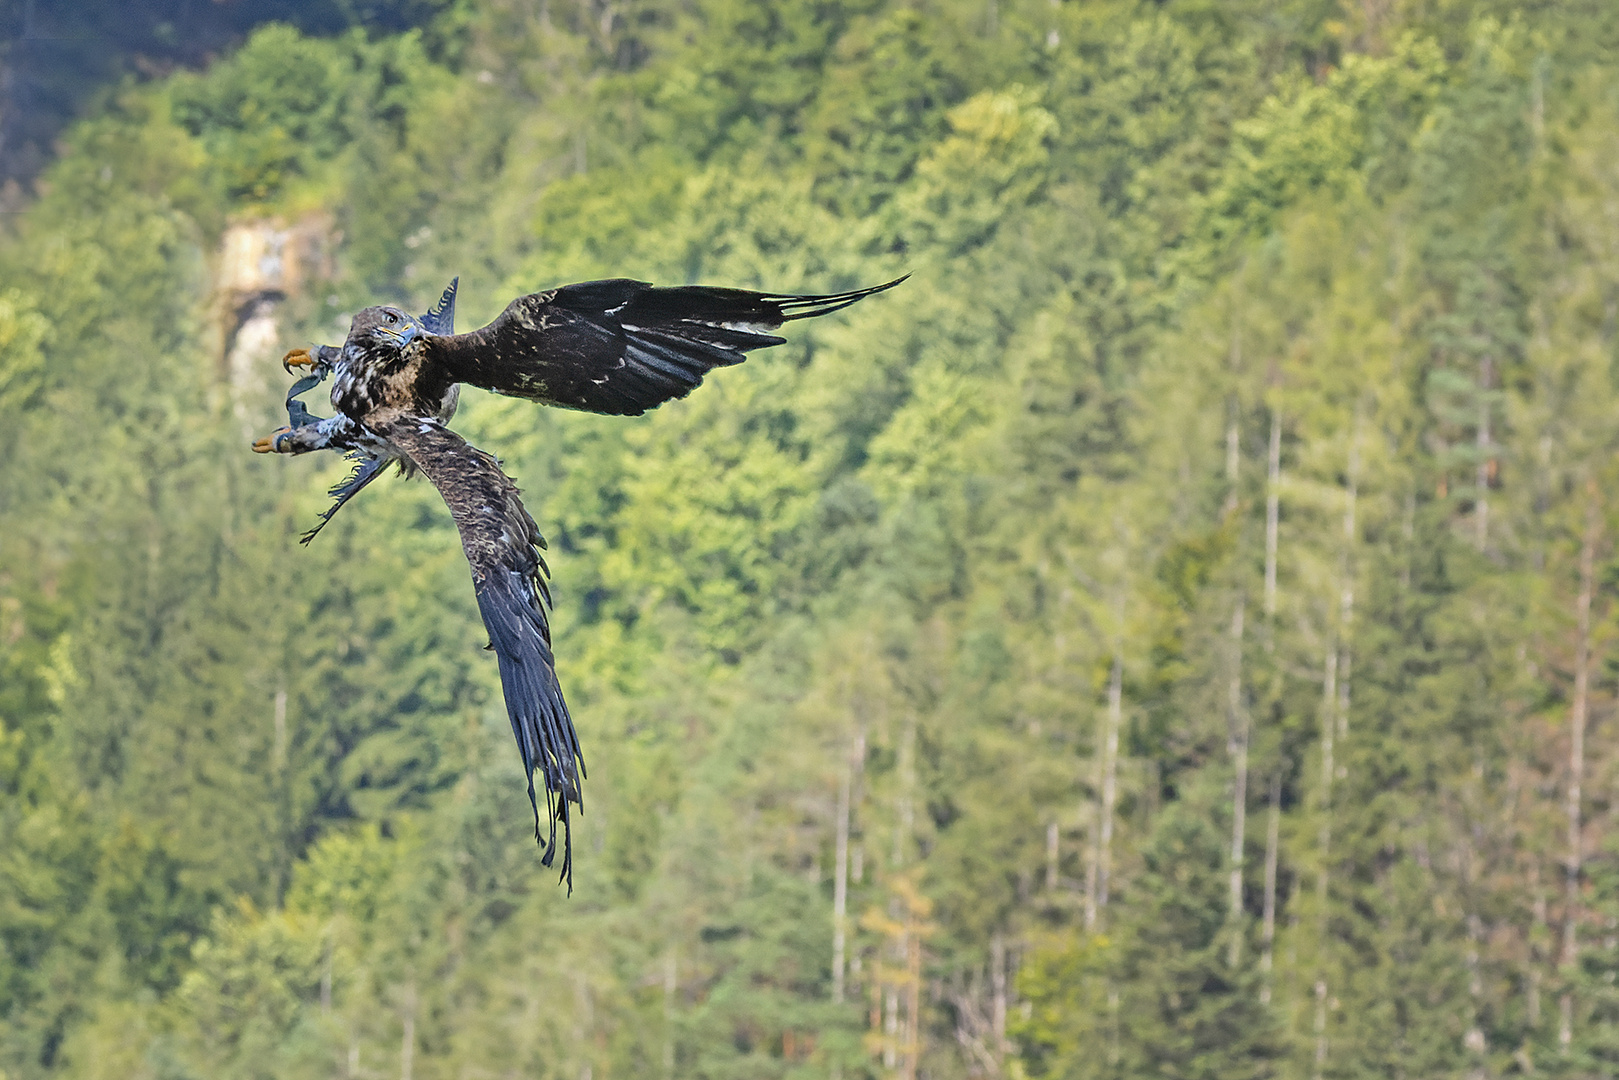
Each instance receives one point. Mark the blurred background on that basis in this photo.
(1172, 635)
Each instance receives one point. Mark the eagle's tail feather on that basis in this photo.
(365, 471)
(546, 739)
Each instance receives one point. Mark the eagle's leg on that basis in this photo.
(334, 433)
(298, 415)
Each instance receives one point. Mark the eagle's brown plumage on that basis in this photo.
(619, 347)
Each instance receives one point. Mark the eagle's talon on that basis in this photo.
(271, 443)
(297, 358)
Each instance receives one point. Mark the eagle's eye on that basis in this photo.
(392, 318)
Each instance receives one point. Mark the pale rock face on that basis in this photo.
(268, 256)
(247, 364)
(263, 262)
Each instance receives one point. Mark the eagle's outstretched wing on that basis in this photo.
(508, 575)
(619, 346)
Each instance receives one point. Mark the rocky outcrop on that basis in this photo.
(263, 262)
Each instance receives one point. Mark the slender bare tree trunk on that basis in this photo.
(1110, 774)
(913, 996)
(1335, 726)
(840, 872)
(1329, 729)
(1320, 1027)
(997, 980)
(1273, 838)
(1532, 1007)
(891, 1027)
(897, 1036)
(1473, 1041)
(1237, 718)
(278, 748)
(1233, 450)
(1273, 514)
(1093, 862)
(1576, 758)
(1273, 510)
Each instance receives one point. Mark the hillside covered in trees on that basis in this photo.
(1172, 635)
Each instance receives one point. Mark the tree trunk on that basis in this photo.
(899, 1038)
(1474, 1042)
(1273, 837)
(840, 871)
(1334, 726)
(278, 747)
(1481, 507)
(891, 1027)
(1237, 719)
(1320, 1027)
(1273, 510)
(913, 995)
(1233, 452)
(1094, 862)
(1576, 757)
(1110, 773)
(997, 980)
(1346, 592)
(1329, 727)
(1532, 1006)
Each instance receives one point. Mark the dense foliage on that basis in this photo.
(1169, 636)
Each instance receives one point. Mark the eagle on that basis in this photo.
(618, 347)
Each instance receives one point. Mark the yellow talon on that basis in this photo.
(297, 358)
(266, 445)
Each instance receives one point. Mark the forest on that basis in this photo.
(1172, 635)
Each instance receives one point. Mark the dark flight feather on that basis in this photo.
(502, 545)
(365, 470)
(620, 346)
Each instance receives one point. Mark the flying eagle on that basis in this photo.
(617, 347)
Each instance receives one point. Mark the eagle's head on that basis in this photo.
(383, 329)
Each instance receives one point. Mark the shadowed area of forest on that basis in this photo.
(57, 55)
(1171, 635)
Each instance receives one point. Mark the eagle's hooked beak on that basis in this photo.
(405, 334)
